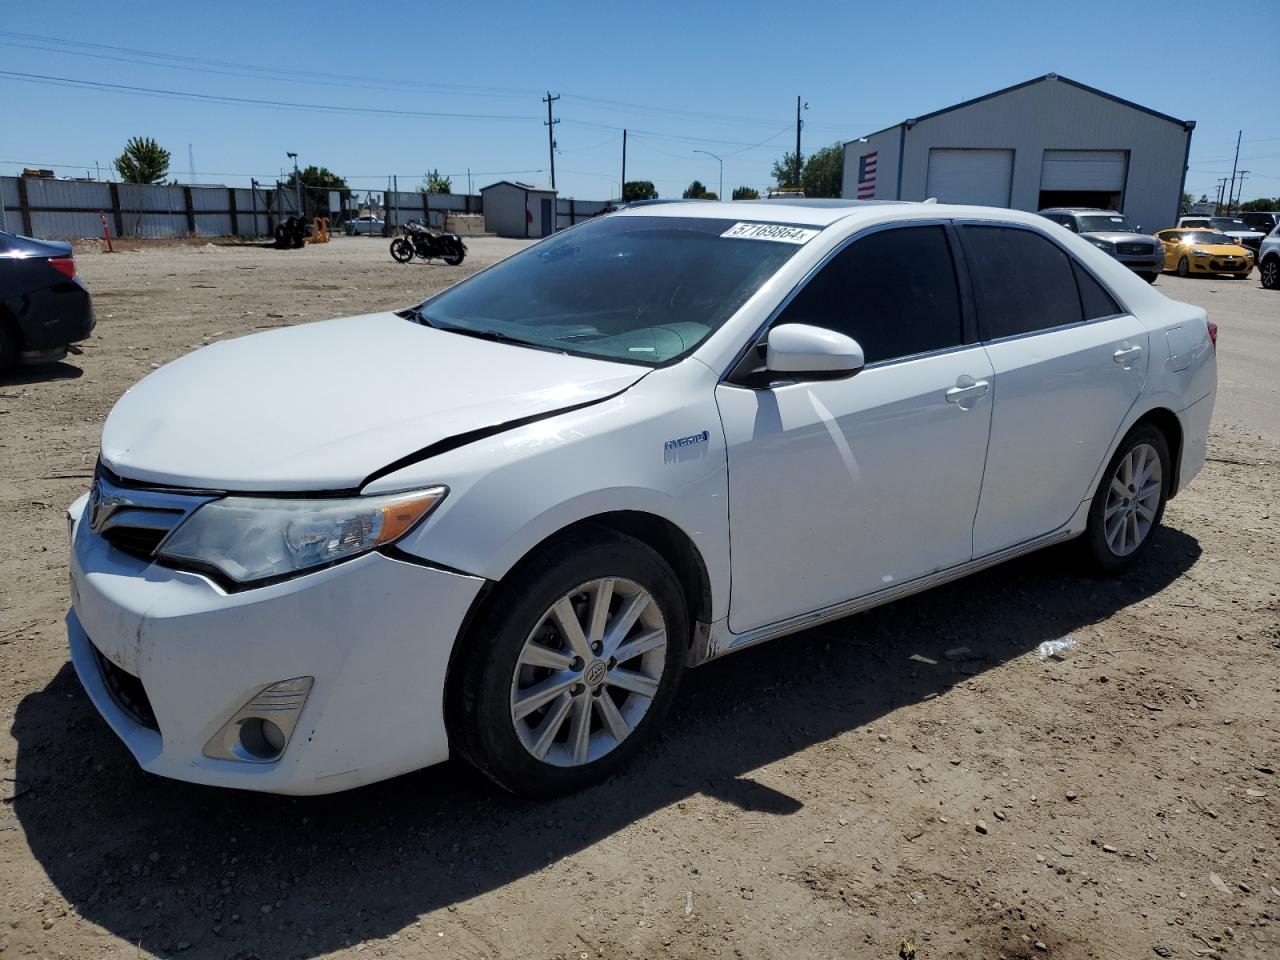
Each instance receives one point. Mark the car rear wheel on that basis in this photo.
(1270, 270)
(1130, 500)
(1184, 267)
(571, 666)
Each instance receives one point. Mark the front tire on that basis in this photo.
(571, 666)
(9, 346)
(1270, 271)
(1129, 502)
(1149, 277)
(401, 250)
(1184, 267)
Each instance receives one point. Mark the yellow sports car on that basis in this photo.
(1204, 251)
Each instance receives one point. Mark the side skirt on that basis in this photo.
(718, 641)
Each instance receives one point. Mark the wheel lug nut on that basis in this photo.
(577, 664)
(576, 690)
(597, 647)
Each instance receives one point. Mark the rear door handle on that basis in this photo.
(964, 391)
(1127, 354)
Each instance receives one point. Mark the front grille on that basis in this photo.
(126, 690)
(139, 541)
(1228, 264)
(1135, 249)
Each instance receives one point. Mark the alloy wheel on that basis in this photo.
(588, 672)
(1271, 273)
(1133, 500)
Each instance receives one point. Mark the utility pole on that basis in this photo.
(798, 125)
(1222, 186)
(1234, 163)
(622, 190)
(1240, 190)
(468, 180)
(551, 137)
(191, 163)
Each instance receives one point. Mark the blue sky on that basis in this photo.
(681, 76)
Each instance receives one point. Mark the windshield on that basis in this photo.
(1203, 237)
(1228, 223)
(638, 289)
(1112, 223)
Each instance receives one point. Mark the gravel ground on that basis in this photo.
(913, 778)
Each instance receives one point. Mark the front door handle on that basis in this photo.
(967, 389)
(1127, 355)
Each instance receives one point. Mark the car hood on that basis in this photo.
(1122, 237)
(322, 406)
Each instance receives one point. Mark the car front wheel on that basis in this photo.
(571, 666)
(1270, 271)
(1184, 267)
(1149, 277)
(1130, 500)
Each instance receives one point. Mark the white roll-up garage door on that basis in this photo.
(970, 176)
(1092, 170)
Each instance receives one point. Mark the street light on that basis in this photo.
(721, 162)
(297, 182)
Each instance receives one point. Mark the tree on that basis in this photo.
(824, 172)
(435, 182)
(784, 172)
(1262, 203)
(316, 182)
(745, 193)
(143, 161)
(634, 190)
(695, 191)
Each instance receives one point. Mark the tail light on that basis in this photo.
(64, 265)
(1213, 333)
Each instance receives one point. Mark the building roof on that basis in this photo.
(531, 187)
(1187, 124)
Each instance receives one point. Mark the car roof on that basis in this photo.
(824, 212)
(1092, 211)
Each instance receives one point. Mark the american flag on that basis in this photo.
(867, 176)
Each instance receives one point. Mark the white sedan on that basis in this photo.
(502, 523)
(368, 226)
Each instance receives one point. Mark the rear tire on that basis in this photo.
(517, 654)
(1149, 277)
(1184, 267)
(1122, 520)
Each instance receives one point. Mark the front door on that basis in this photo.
(1069, 363)
(841, 488)
(548, 217)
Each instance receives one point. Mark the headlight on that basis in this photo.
(256, 538)
(1102, 245)
(1201, 253)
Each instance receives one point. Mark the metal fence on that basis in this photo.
(72, 209)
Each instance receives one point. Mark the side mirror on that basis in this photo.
(814, 353)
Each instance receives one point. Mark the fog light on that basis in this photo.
(260, 730)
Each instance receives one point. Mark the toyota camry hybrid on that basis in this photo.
(500, 524)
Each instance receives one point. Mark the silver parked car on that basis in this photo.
(369, 226)
(1269, 260)
(1116, 234)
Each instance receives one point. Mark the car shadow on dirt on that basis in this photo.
(224, 873)
(39, 373)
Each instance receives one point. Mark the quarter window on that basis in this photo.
(893, 291)
(1025, 282)
(1095, 299)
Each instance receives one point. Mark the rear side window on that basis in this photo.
(894, 292)
(1025, 283)
(1095, 299)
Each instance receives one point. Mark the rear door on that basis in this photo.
(1068, 363)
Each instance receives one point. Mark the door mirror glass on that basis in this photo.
(807, 352)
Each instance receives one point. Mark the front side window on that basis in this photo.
(1024, 281)
(641, 290)
(893, 291)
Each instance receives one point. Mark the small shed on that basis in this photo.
(515, 209)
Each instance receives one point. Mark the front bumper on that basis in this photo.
(1146, 263)
(1239, 265)
(375, 633)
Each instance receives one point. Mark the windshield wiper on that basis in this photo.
(496, 336)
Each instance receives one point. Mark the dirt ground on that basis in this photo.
(856, 791)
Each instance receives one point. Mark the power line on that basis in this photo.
(247, 101)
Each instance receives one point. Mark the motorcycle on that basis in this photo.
(420, 241)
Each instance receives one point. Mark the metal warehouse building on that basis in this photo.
(1048, 142)
(514, 209)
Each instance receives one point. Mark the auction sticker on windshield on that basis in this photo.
(770, 231)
